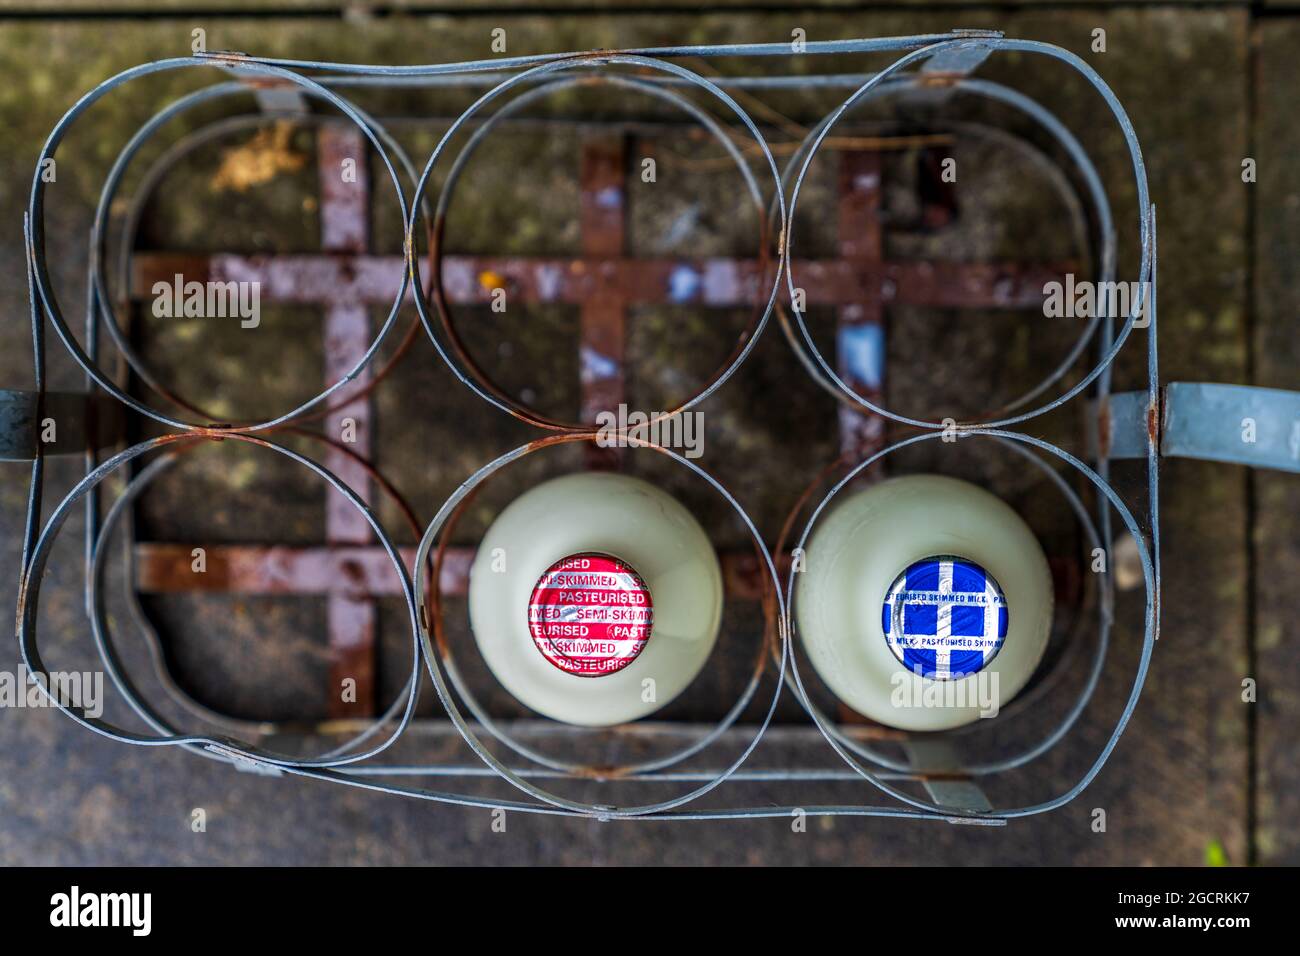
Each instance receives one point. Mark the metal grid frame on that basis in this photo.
(941, 61)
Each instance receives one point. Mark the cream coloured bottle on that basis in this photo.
(924, 602)
(595, 598)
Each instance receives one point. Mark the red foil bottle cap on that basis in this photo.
(590, 614)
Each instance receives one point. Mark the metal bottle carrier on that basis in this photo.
(1177, 419)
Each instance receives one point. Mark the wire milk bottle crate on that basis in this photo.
(613, 607)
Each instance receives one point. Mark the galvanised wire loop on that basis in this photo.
(1061, 135)
(102, 629)
(554, 65)
(548, 86)
(29, 603)
(36, 215)
(835, 739)
(99, 229)
(1024, 701)
(431, 655)
(463, 690)
(1144, 216)
(347, 768)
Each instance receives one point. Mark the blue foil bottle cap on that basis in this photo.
(944, 617)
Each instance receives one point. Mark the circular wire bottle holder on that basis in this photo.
(351, 763)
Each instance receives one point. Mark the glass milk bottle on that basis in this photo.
(924, 603)
(595, 598)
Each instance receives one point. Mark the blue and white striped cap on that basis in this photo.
(944, 617)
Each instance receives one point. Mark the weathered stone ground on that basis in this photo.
(1199, 776)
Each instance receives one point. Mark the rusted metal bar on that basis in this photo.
(314, 278)
(345, 228)
(860, 334)
(602, 332)
(163, 568)
(328, 569)
(860, 327)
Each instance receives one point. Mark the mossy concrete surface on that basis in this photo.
(1275, 546)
